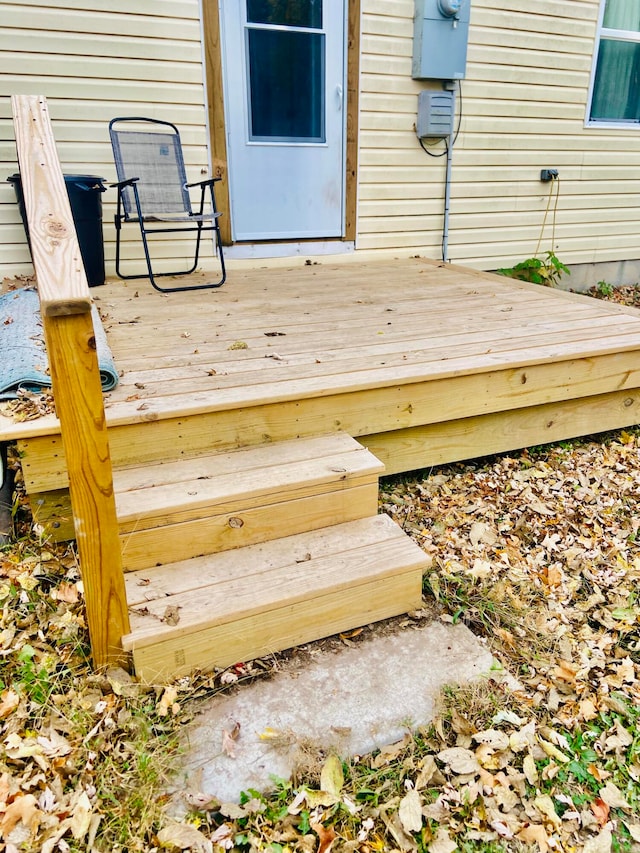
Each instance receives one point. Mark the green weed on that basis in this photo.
(604, 289)
(547, 271)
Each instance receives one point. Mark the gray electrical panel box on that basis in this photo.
(440, 36)
(435, 114)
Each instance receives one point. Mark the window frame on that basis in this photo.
(614, 35)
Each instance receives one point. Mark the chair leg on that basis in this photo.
(147, 254)
(118, 224)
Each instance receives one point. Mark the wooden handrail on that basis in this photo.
(65, 304)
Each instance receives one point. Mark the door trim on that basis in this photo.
(217, 127)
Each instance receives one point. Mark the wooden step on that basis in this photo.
(207, 504)
(218, 610)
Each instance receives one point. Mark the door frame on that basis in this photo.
(217, 127)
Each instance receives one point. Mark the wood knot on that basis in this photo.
(55, 228)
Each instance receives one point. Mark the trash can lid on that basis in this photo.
(91, 179)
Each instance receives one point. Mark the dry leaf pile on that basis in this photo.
(537, 553)
(84, 756)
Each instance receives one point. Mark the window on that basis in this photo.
(615, 95)
(286, 70)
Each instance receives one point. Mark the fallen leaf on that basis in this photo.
(9, 701)
(54, 745)
(598, 773)
(600, 811)
(229, 737)
(389, 752)
(223, 836)
(81, 817)
(201, 801)
(185, 836)
(332, 776)
(67, 592)
(566, 671)
(634, 830)
(588, 710)
(524, 738)
(232, 810)
(427, 770)
(271, 734)
(404, 841)
(24, 809)
(442, 843)
(326, 836)
(507, 717)
(535, 833)
(17, 747)
(297, 805)
(481, 532)
(460, 760)
(545, 806)
(612, 796)
(600, 844)
(320, 798)
(168, 701)
(171, 615)
(503, 829)
(619, 740)
(530, 770)
(410, 811)
(493, 738)
(553, 751)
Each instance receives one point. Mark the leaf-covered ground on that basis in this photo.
(537, 551)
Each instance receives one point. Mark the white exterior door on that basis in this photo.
(284, 72)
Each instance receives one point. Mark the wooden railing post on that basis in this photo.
(65, 304)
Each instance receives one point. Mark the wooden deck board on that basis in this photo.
(329, 343)
(349, 366)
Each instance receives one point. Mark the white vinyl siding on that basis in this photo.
(524, 102)
(94, 61)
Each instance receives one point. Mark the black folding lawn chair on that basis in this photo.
(152, 187)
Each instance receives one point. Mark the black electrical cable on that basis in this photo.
(426, 150)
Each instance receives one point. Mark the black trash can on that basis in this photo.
(85, 197)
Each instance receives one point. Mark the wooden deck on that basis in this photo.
(424, 363)
(246, 512)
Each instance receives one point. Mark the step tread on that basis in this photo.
(244, 583)
(243, 477)
(231, 461)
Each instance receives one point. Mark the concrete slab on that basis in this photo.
(354, 701)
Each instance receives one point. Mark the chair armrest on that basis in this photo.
(209, 182)
(128, 183)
